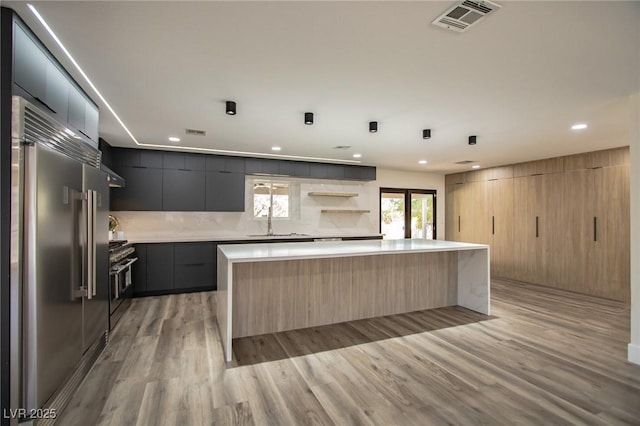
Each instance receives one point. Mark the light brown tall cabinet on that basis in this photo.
(561, 222)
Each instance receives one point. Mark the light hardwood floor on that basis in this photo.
(544, 357)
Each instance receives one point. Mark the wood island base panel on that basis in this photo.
(267, 288)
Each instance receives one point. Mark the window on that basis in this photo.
(408, 213)
(271, 194)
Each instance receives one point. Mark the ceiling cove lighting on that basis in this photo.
(422, 162)
(373, 127)
(579, 126)
(476, 166)
(276, 148)
(174, 139)
(308, 118)
(426, 134)
(357, 155)
(73, 61)
(472, 140)
(152, 145)
(231, 108)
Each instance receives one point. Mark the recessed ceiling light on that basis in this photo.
(475, 166)
(422, 162)
(579, 126)
(357, 155)
(174, 139)
(276, 148)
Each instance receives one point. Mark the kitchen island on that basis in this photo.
(267, 288)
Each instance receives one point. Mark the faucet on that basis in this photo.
(269, 224)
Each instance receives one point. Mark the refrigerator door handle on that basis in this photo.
(79, 290)
(91, 252)
(93, 242)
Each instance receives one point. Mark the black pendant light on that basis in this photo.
(373, 126)
(308, 118)
(472, 140)
(231, 108)
(426, 134)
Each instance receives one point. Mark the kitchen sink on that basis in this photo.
(292, 234)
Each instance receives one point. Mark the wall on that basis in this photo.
(306, 215)
(634, 163)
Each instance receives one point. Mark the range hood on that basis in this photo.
(114, 179)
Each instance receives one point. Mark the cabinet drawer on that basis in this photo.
(194, 275)
(191, 253)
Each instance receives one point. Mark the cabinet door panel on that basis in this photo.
(188, 253)
(501, 222)
(172, 160)
(30, 64)
(612, 238)
(151, 159)
(183, 190)
(125, 157)
(77, 109)
(160, 267)
(318, 170)
(195, 162)
(139, 271)
(234, 165)
(91, 119)
(57, 92)
(224, 192)
(194, 275)
(143, 190)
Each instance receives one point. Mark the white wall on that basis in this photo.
(634, 345)
(307, 217)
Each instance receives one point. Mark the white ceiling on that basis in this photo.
(518, 80)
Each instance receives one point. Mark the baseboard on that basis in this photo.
(634, 353)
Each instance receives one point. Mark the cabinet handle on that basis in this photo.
(138, 167)
(493, 225)
(537, 227)
(458, 223)
(595, 228)
(194, 264)
(84, 133)
(45, 105)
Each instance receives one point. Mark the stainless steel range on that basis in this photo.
(121, 260)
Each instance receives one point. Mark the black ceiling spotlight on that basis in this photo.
(231, 108)
(426, 134)
(373, 126)
(472, 140)
(308, 118)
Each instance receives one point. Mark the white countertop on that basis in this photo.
(312, 250)
(201, 237)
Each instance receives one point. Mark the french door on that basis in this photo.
(408, 213)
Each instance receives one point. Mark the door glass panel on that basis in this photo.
(392, 219)
(422, 216)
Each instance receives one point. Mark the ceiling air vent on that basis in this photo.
(195, 132)
(465, 162)
(463, 15)
(342, 147)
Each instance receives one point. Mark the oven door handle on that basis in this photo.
(125, 266)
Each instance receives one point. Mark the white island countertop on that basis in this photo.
(327, 249)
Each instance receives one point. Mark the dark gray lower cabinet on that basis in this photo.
(160, 267)
(182, 190)
(143, 190)
(224, 192)
(139, 271)
(195, 275)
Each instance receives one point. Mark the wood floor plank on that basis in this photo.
(544, 356)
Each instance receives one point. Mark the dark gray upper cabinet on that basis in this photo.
(125, 157)
(30, 65)
(224, 192)
(143, 190)
(253, 165)
(183, 190)
(225, 164)
(91, 118)
(318, 170)
(335, 171)
(77, 109)
(173, 160)
(302, 169)
(287, 168)
(57, 92)
(194, 162)
(151, 159)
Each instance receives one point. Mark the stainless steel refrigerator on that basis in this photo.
(59, 258)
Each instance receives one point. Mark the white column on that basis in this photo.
(634, 163)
